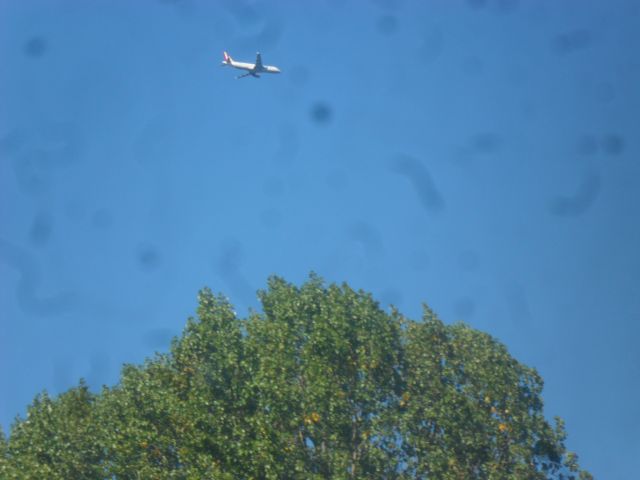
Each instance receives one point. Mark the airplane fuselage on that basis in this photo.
(253, 69)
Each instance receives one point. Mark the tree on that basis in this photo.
(321, 384)
(55, 440)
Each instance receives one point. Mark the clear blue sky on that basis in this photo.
(480, 155)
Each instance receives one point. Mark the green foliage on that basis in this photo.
(321, 384)
(56, 440)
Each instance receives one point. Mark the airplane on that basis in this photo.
(253, 68)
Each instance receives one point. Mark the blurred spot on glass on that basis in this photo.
(268, 37)
(244, 12)
(368, 237)
(573, 41)
(506, 6)
(148, 257)
(391, 296)
(613, 144)
(35, 47)
(28, 292)
(158, 338)
(321, 113)
(41, 228)
(477, 3)
(485, 143)
(63, 375)
(101, 219)
(432, 45)
(387, 24)
(420, 178)
(464, 308)
(581, 201)
(271, 218)
(227, 265)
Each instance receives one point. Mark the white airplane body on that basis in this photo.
(253, 69)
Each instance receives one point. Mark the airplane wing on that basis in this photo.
(258, 61)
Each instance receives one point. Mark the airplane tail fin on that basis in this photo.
(227, 59)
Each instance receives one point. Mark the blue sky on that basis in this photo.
(478, 155)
